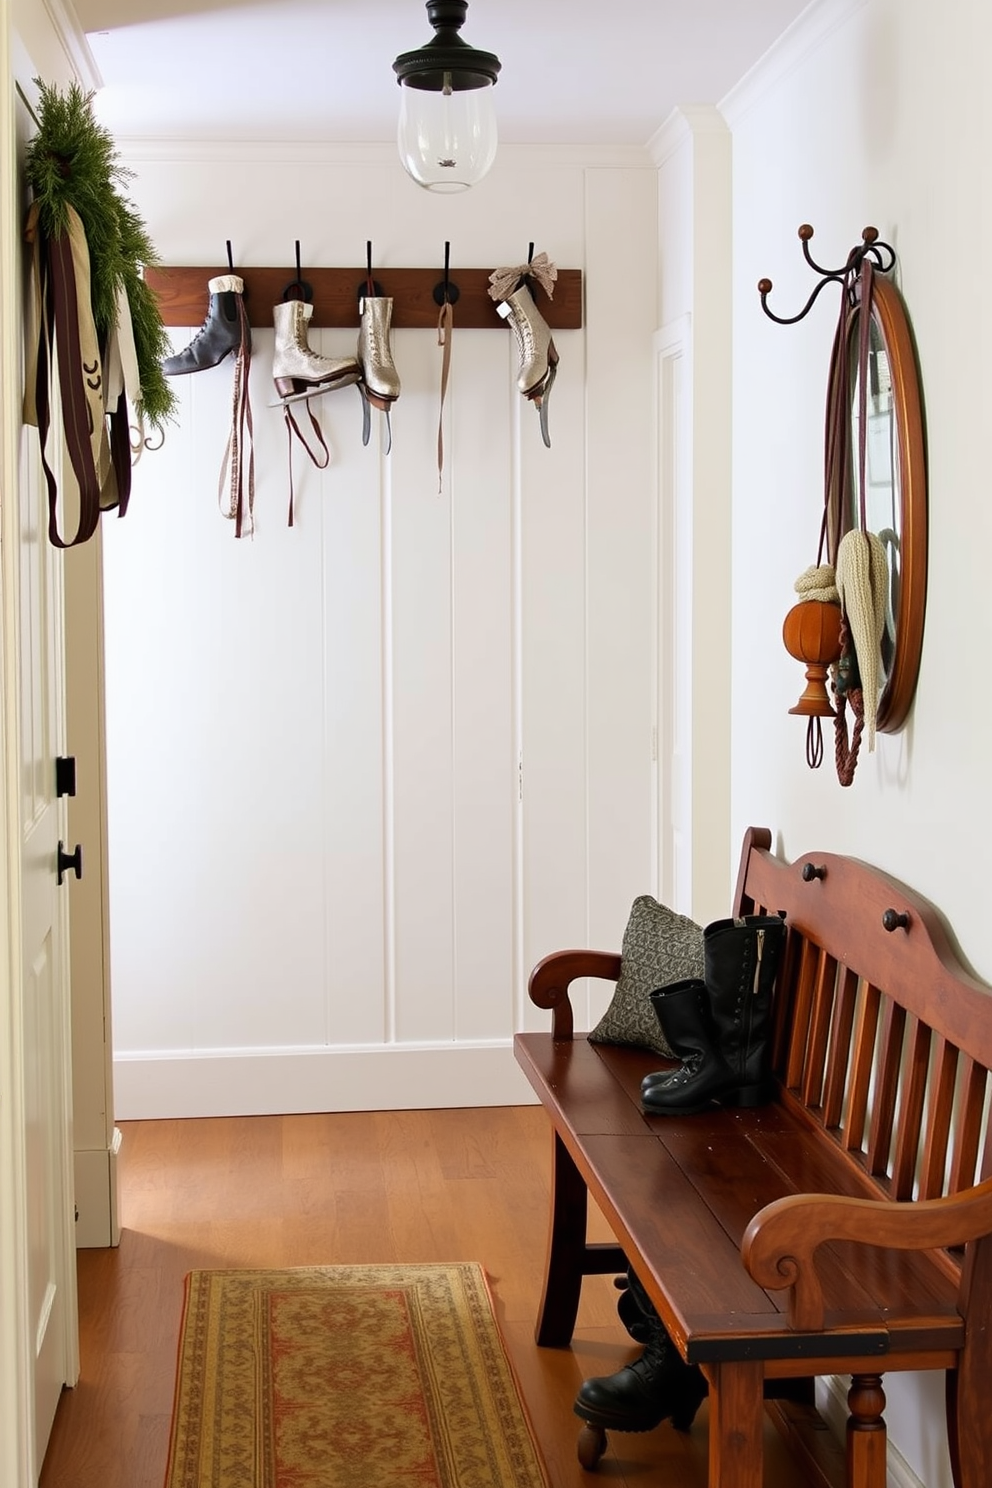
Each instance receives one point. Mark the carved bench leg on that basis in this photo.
(866, 1435)
(736, 1424)
(566, 1251)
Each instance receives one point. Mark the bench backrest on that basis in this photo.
(883, 1039)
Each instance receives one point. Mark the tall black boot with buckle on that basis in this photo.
(720, 1028)
(643, 1394)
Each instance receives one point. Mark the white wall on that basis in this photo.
(872, 112)
(326, 890)
(694, 407)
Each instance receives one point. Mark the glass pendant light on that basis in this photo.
(447, 129)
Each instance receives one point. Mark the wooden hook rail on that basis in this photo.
(183, 296)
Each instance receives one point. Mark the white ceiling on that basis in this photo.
(574, 71)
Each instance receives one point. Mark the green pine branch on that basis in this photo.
(72, 162)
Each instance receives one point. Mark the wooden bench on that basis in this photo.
(840, 1229)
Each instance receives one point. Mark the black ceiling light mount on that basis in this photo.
(447, 130)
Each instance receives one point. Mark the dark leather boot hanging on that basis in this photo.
(226, 332)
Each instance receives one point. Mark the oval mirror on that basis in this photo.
(895, 482)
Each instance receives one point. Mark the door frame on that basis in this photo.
(18, 1450)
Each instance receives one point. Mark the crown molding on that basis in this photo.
(72, 38)
(688, 121)
(515, 157)
(807, 33)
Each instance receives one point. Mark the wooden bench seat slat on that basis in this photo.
(580, 1085)
(737, 1178)
(815, 1168)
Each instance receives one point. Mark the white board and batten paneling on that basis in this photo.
(365, 772)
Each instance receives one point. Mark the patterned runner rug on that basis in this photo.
(346, 1377)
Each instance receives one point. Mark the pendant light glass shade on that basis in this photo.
(447, 141)
(447, 130)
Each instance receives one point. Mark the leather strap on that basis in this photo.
(445, 328)
(292, 427)
(66, 341)
(237, 476)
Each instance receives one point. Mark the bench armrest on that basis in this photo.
(779, 1243)
(551, 978)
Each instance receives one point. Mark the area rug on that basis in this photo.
(347, 1377)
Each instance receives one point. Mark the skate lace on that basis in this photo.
(525, 338)
(378, 344)
(300, 332)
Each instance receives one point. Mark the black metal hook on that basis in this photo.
(530, 253)
(230, 260)
(371, 288)
(446, 293)
(882, 255)
(298, 288)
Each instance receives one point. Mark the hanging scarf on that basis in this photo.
(64, 341)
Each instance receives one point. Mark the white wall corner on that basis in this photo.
(807, 32)
(97, 1219)
(72, 37)
(684, 123)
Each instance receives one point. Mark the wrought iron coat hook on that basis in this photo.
(369, 288)
(230, 259)
(446, 292)
(298, 288)
(882, 255)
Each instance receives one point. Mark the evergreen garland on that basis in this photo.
(72, 161)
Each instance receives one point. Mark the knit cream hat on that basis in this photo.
(863, 585)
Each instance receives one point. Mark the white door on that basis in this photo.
(38, 1334)
(45, 1014)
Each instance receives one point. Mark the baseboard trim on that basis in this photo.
(269, 1082)
(95, 1175)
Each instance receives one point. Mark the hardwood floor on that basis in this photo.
(340, 1188)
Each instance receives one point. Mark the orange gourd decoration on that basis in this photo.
(811, 633)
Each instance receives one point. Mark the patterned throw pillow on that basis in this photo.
(659, 947)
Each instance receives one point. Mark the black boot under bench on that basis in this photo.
(839, 1229)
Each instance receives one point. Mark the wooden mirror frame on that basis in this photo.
(907, 403)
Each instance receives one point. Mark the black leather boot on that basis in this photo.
(643, 1394)
(221, 332)
(629, 1312)
(704, 1076)
(741, 961)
